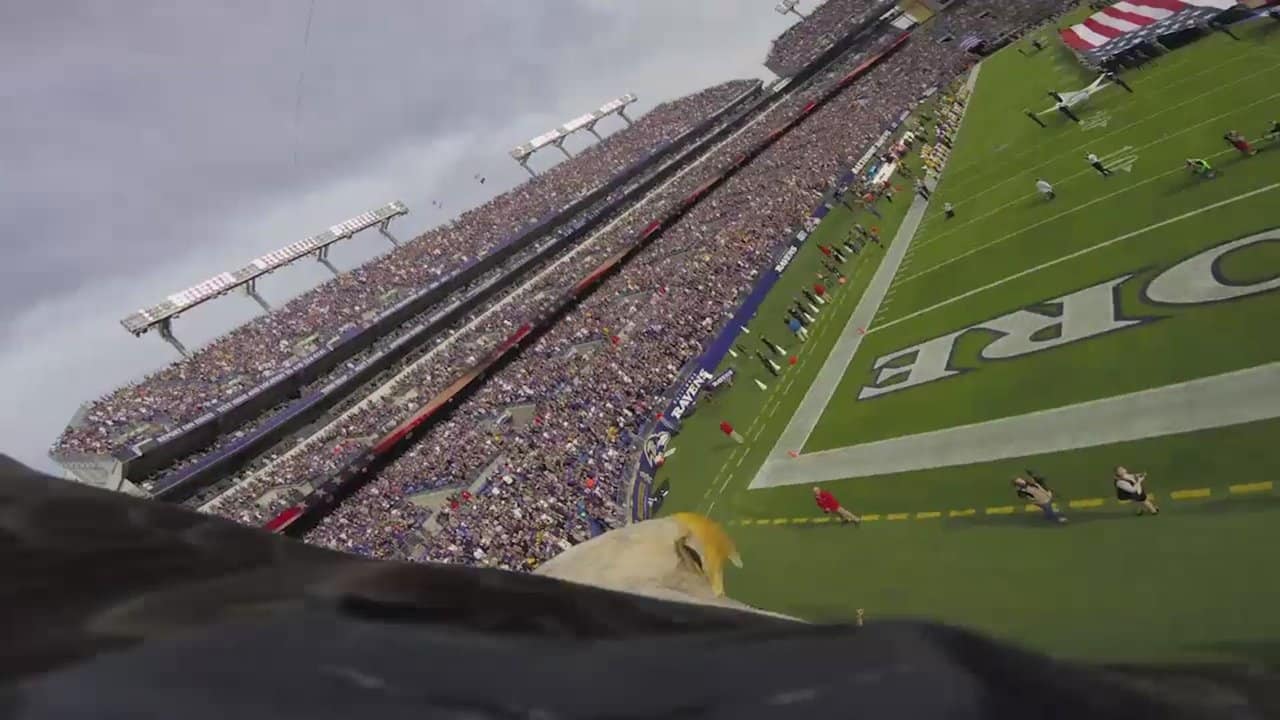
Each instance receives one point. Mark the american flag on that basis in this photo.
(1133, 22)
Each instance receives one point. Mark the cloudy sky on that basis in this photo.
(146, 146)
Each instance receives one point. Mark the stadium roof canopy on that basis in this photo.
(146, 318)
(552, 137)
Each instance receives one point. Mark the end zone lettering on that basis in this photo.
(1081, 315)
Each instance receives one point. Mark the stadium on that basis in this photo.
(949, 320)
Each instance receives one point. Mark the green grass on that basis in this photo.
(1193, 584)
(1112, 587)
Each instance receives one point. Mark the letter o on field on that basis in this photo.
(1199, 279)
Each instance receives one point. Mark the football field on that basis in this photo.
(1128, 320)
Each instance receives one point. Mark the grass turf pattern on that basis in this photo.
(1195, 583)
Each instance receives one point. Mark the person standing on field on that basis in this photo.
(1037, 493)
(1240, 143)
(1129, 489)
(1201, 167)
(829, 504)
(1115, 78)
(1096, 163)
(727, 429)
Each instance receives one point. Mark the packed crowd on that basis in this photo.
(253, 352)
(804, 41)
(562, 473)
(990, 20)
(500, 293)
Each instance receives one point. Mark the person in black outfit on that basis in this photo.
(1096, 163)
(1221, 28)
(1115, 78)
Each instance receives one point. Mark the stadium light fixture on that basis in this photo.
(161, 315)
(555, 138)
(788, 7)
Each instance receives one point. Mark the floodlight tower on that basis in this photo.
(251, 289)
(559, 143)
(165, 327)
(384, 228)
(788, 7)
(322, 257)
(521, 155)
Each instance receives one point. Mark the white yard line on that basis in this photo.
(1218, 401)
(1167, 69)
(1078, 253)
(1270, 69)
(1110, 156)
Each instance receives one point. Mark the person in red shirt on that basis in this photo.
(727, 429)
(829, 504)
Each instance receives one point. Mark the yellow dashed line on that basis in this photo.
(1082, 503)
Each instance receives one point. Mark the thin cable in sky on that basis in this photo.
(297, 93)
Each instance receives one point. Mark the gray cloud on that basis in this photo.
(147, 146)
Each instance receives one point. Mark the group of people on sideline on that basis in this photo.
(1130, 487)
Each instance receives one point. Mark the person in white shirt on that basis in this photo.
(1044, 188)
(1129, 489)
(1097, 165)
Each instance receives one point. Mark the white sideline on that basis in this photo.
(833, 368)
(1232, 398)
